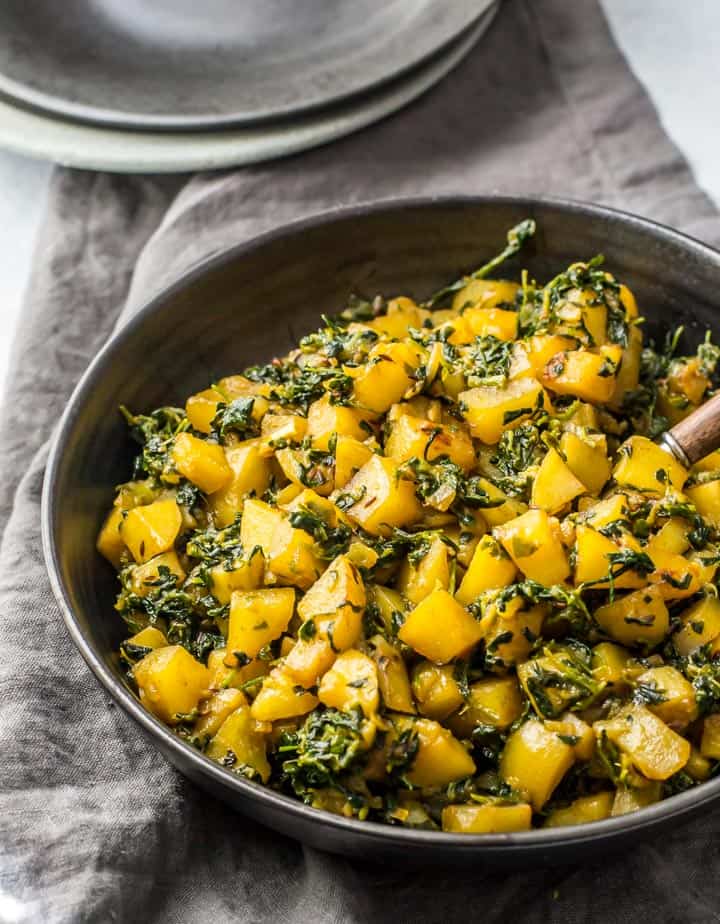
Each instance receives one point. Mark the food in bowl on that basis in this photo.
(430, 568)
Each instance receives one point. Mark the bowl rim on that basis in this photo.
(524, 841)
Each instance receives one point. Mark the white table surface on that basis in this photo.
(671, 46)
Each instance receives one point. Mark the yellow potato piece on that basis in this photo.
(656, 750)
(147, 531)
(351, 681)
(440, 757)
(489, 410)
(532, 541)
(555, 485)
(384, 499)
(494, 701)
(534, 761)
(326, 420)
(418, 579)
(257, 617)
(250, 475)
(436, 690)
(486, 819)
(281, 697)
(582, 810)
(336, 603)
(146, 576)
(638, 618)
(644, 466)
(171, 682)
(110, 542)
(393, 680)
(201, 462)
(238, 746)
(440, 629)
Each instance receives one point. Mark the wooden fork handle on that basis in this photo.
(695, 436)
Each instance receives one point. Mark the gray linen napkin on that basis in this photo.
(94, 825)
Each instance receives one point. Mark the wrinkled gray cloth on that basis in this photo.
(94, 825)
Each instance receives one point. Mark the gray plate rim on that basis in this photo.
(94, 147)
(462, 17)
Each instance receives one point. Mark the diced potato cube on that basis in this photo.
(510, 631)
(110, 542)
(571, 726)
(336, 603)
(149, 637)
(533, 542)
(436, 690)
(237, 386)
(440, 757)
(654, 749)
(494, 701)
(417, 580)
(385, 377)
(350, 456)
(644, 466)
(245, 574)
(171, 682)
(402, 313)
(301, 469)
(698, 767)
(492, 322)
(281, 697)
(490, 568)
(587, 458)
(612, 508)
(259, 522)
(276, 428)
(706, 498)
(256, 618)
(293, 558)
(671, 539)
(146, 576)
(486, 819)
(223, 677)
(351, 681)
(709, 463)
(700, 624)
(485, 293)
(628, 376)
(202, 408)
(507, 509)
(239, 746)
(542, 347)
(214, 710)
(710, 742)
(678, 706)
(608, 665)
(678, 577)
(425, 439)
(490, 410)
(251, 473)
(638, 618)
(554, 485)
(393, 678)
(307, 661)
(326, 420)
(631, 800)
(147, 531)
(593, 564)
(384, 499)
(582, 810)
(440, 629)
(534, 761)
(583, 374)
(201, 462)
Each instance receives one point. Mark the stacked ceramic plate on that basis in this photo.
(175, 85)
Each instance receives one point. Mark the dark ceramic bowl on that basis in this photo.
(251, 303)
